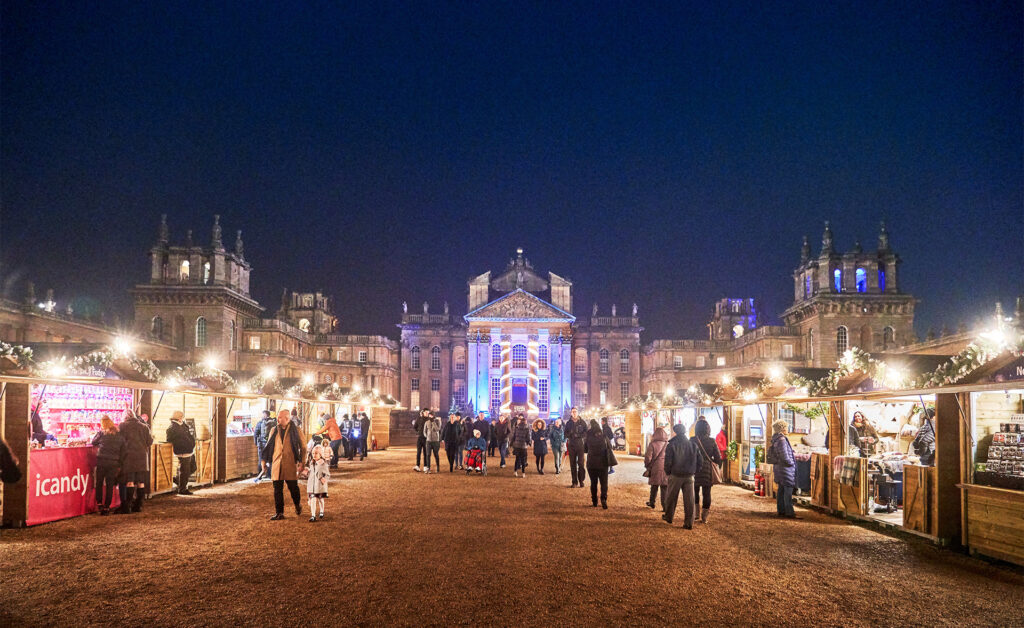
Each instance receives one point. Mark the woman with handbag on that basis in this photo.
(599, 459)
(780, 455)
(654, 462)
(710, 472)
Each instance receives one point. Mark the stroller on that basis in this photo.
(476, 461)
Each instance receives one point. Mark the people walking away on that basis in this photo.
(109, 459)
(421, 441)
(138, 440)
(351, 429)
(319, 474)
(598, 449)
(451, 435)
(575, 433)
(704, 479)
(475, 447)
(334, 434)
(364, 434)
(924, 441)
(540, 444)
(520, 441)
(654, 462)
(610, 435)
(501, 434)
(780, 455)
(285, 452)
(184, 448)
(681, 463)
(556, 438)
(432, 432)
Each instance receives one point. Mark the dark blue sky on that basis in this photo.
(663, 154)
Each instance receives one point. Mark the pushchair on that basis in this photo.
(476, 461)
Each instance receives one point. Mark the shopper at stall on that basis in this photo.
(862, 434)
(319, 474)
(654, 462)
(924, 441)
(135, 472)
(520, 441)
(285, 452)
(421, 441)
(501, 434)
(451, 436)
(348, 435)
(109, 458)
(575, 432)
(556, 437)
(540, 444)
(599, 451)
(783, 469)
(682, 462)
(364, 434)
(184, 445)
(703, 480)
(432, 432)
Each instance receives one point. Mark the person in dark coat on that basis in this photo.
(540, 444)
(707, 448)
(556, 438)
(451, 436)
(39, 433)
(482, 425)
(682, 462)
(260, 441)
(364, 433)
(184, 448)
(492, 440)
(610, 435)
(466, 432)
(421, 440)
(784, 469)
(575, 432)
(520, 441)
(109, 458)
(135, 472)
(596, 445)
(348, 436)
(924, 442)
(501, 433)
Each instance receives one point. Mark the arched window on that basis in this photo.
(624, 361)
(435, 358)
(183, 271)
(415, 358)
(862, 280)
(542, 357)
(304, 325)
(157, 327)
(807, 285)
(200, 332)
(842, 341)
(231, 342)
(888, 338)
(881, 277)
(810, 345)
(603, 360)
(519, 357)
(206, 273)
(838, 279)
(495, 356)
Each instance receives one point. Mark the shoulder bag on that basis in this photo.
(612, 461)
(716, 471)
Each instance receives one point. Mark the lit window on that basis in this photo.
(624, 390)
(624, 361)
(604, 393)
(807, 286)
(720, 360)
(460, 363)
(415, 358)
(581, 361)
(700, 361)
(304, 324)
(580, 394)
(888, 338)
(206, 273)
(157, 327)
(838, 279)
(810, 344)
(542, 357)
(254, 343)
(362, 357)
(495, 392)
(862, 280)
(881, 277)
(542, 395)
(232, 342)
(603, 361)
(842, 341)
(496, 356)
(414, 385)
(787, 351)
(435, 358)
(200, 332)
(460, 392)
(677, 361)
(519, 357)
(319, 354)
(183, 274)
(435, 385)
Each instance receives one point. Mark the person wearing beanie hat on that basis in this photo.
(783, 468)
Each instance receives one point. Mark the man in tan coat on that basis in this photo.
(285, 452)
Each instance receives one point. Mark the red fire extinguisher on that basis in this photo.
(759, 484)
(374, 443)
(638, 450)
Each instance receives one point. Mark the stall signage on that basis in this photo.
(61, 484)
(1011, 372)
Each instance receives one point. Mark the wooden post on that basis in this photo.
(948, 468)
(380, 427)
(220, 439)
(16, 406)
(836, 443)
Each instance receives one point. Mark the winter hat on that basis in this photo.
(780, 426)
(476, 433)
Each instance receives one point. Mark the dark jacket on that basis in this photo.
(785, 469)
(348, 425)
(137, 439)
(417, 425)
(293, 437)
(521, 436)
(556, 436)
(179, 436)
(924, 443)
(484, 427)
(595, 445)
(681, 455)
(111, 448)
(467, 431)
(705, 444)
(9, 471)
(266, 427)
(364, 427)
(502, 431)
(575, 432)
(451, 433)
(540, 441)
(607, 431)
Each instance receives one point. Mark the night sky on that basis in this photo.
(661, 154)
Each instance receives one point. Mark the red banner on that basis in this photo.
(61, 484)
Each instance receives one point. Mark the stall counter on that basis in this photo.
(61, 484)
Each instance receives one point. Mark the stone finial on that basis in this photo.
(446, 308)
(239, 246)
(595, 310)
(827, 247)
(634, 310)
(613, 310)
(426, 308)
(857, 248)
(188, 238)
(216, 234)
(805, 252)
(405, 307)
(163, 233)
(883, 238)
(284, 299)
(30, 293)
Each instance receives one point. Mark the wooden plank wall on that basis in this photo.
(16, 433)
(995, 523)
(919, 499)
(948, 469)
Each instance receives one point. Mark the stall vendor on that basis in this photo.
(861, 431)
(924, 442)
(39, 433)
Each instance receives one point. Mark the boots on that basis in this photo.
(604, 504)
(140, 494)
(704, 515)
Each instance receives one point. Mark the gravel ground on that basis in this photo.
(404, 548)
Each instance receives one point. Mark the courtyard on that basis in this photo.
(404, 548)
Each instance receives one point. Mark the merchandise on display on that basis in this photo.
(71, 413)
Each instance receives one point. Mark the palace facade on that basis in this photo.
(521, 346)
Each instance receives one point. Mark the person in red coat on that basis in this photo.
(722, 442)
